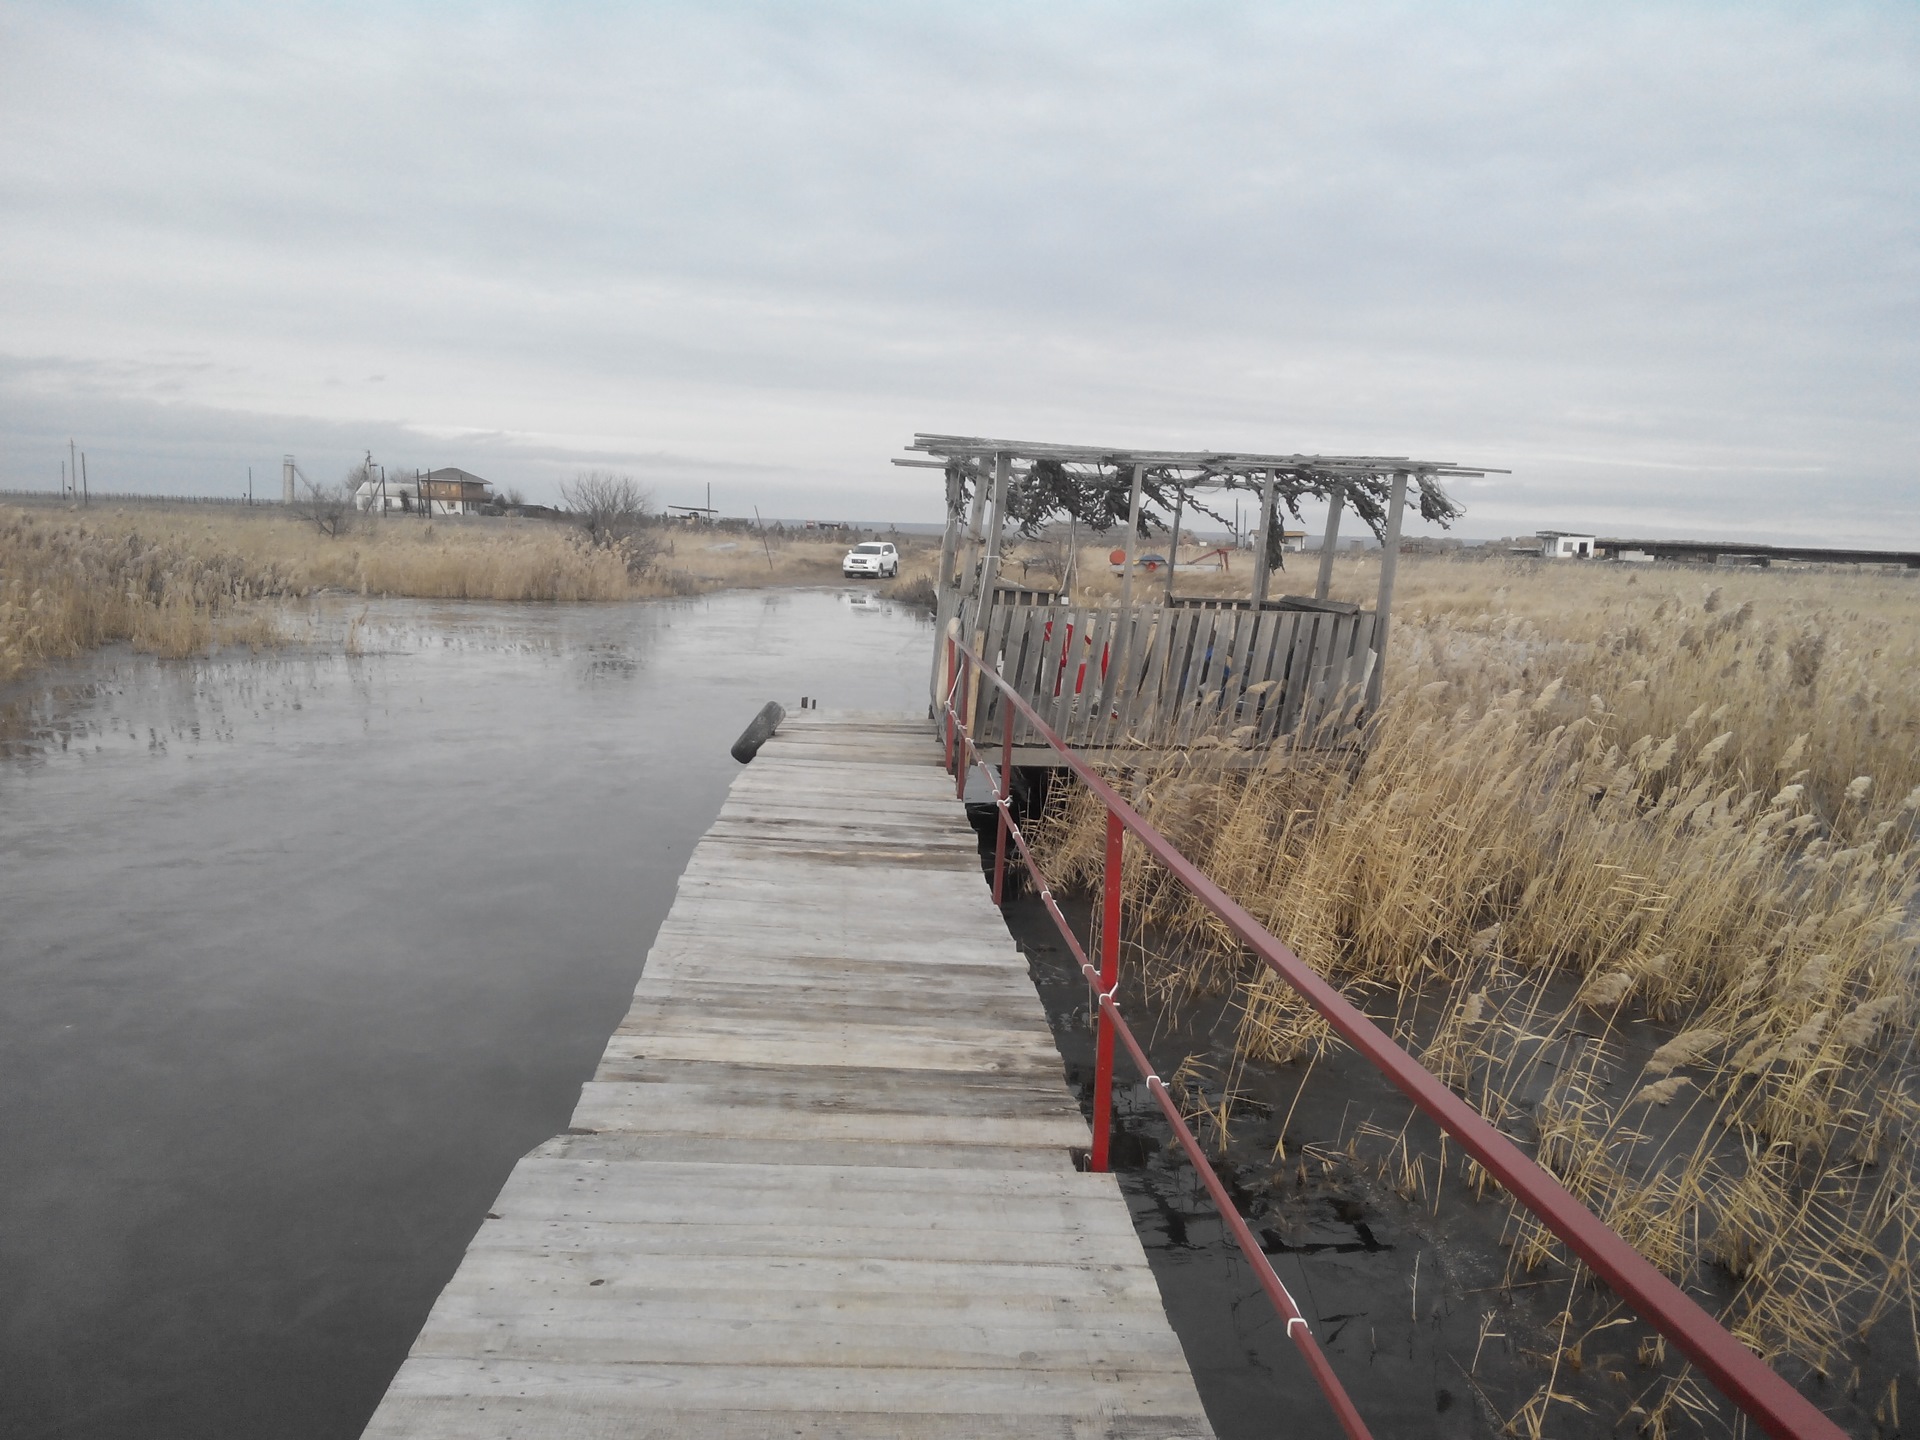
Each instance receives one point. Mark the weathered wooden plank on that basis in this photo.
(894, 1390)
(491, 1418)
(804, 1154)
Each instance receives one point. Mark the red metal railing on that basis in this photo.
(1774, 1405)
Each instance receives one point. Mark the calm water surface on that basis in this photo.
(300, 952)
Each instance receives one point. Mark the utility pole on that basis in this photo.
(83, 479)
(249, 484)
(73, 468)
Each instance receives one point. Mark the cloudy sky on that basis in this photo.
(1660, 261)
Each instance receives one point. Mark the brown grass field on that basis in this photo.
(1631, 859)
(175, 580)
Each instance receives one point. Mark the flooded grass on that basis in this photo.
(179, 580)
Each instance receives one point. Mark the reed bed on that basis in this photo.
(1630, 859)
(177, 580)
(66, 588)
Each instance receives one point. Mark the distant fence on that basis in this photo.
(123, 497)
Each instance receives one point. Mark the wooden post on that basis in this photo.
(989, 573)
(946, 588)
(1122, 662)
(1133, 537)
(970, 546)
(1329, 543)
(1173, 548)
(1262, 566)
(1383, 607)
(950, 538)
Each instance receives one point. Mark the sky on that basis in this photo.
(1662, 262)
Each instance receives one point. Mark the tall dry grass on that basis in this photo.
(66, 588)
(1631, 857)
(178, 579)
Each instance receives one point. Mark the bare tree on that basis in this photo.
(614, 511)
(329, 507)
(607, 506)
(1051, 555)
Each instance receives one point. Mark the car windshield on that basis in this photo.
(866, 549)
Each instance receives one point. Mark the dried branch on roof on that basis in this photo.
(1098, 495)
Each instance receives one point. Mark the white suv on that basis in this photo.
(875, 557)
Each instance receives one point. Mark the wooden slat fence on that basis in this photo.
(1166, 676)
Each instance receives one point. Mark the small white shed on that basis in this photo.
(1559, 545)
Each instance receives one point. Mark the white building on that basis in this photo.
(442, 492)
(1559, 545)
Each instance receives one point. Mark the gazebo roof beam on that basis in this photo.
(1207, 461)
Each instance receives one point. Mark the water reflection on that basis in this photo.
(300, 951)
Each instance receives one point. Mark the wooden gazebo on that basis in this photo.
(1166, 671)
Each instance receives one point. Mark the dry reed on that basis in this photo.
(1634, 854)
(174, 581)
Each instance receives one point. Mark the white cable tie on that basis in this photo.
(1296, 1320)
(1153, 1080)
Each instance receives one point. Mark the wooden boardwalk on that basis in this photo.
(822, 1183)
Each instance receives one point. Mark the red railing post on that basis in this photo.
(1006, 799)
(960, 766)
(946, 699)
(1109, 978)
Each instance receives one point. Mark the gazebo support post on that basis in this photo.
(1329, 543)
(1125, 657)
(1383, 607)
(1262, 566)
(1173, 546)
(947, 588)
(989, 573)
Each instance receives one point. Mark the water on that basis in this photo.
(300, 952)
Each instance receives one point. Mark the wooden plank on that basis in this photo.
(1306, 636)
(793, 1155)
(1070, 646)
(1084, 716)
(890, 1390)
(488, 1418)
(1331, 669)
(1187, 648)
(1273, 670)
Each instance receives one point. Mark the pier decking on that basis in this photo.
(821, 1183)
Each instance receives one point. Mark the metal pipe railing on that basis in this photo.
(1753, 1386)
(1105, 983)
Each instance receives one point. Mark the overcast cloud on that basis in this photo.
(1661, 262)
